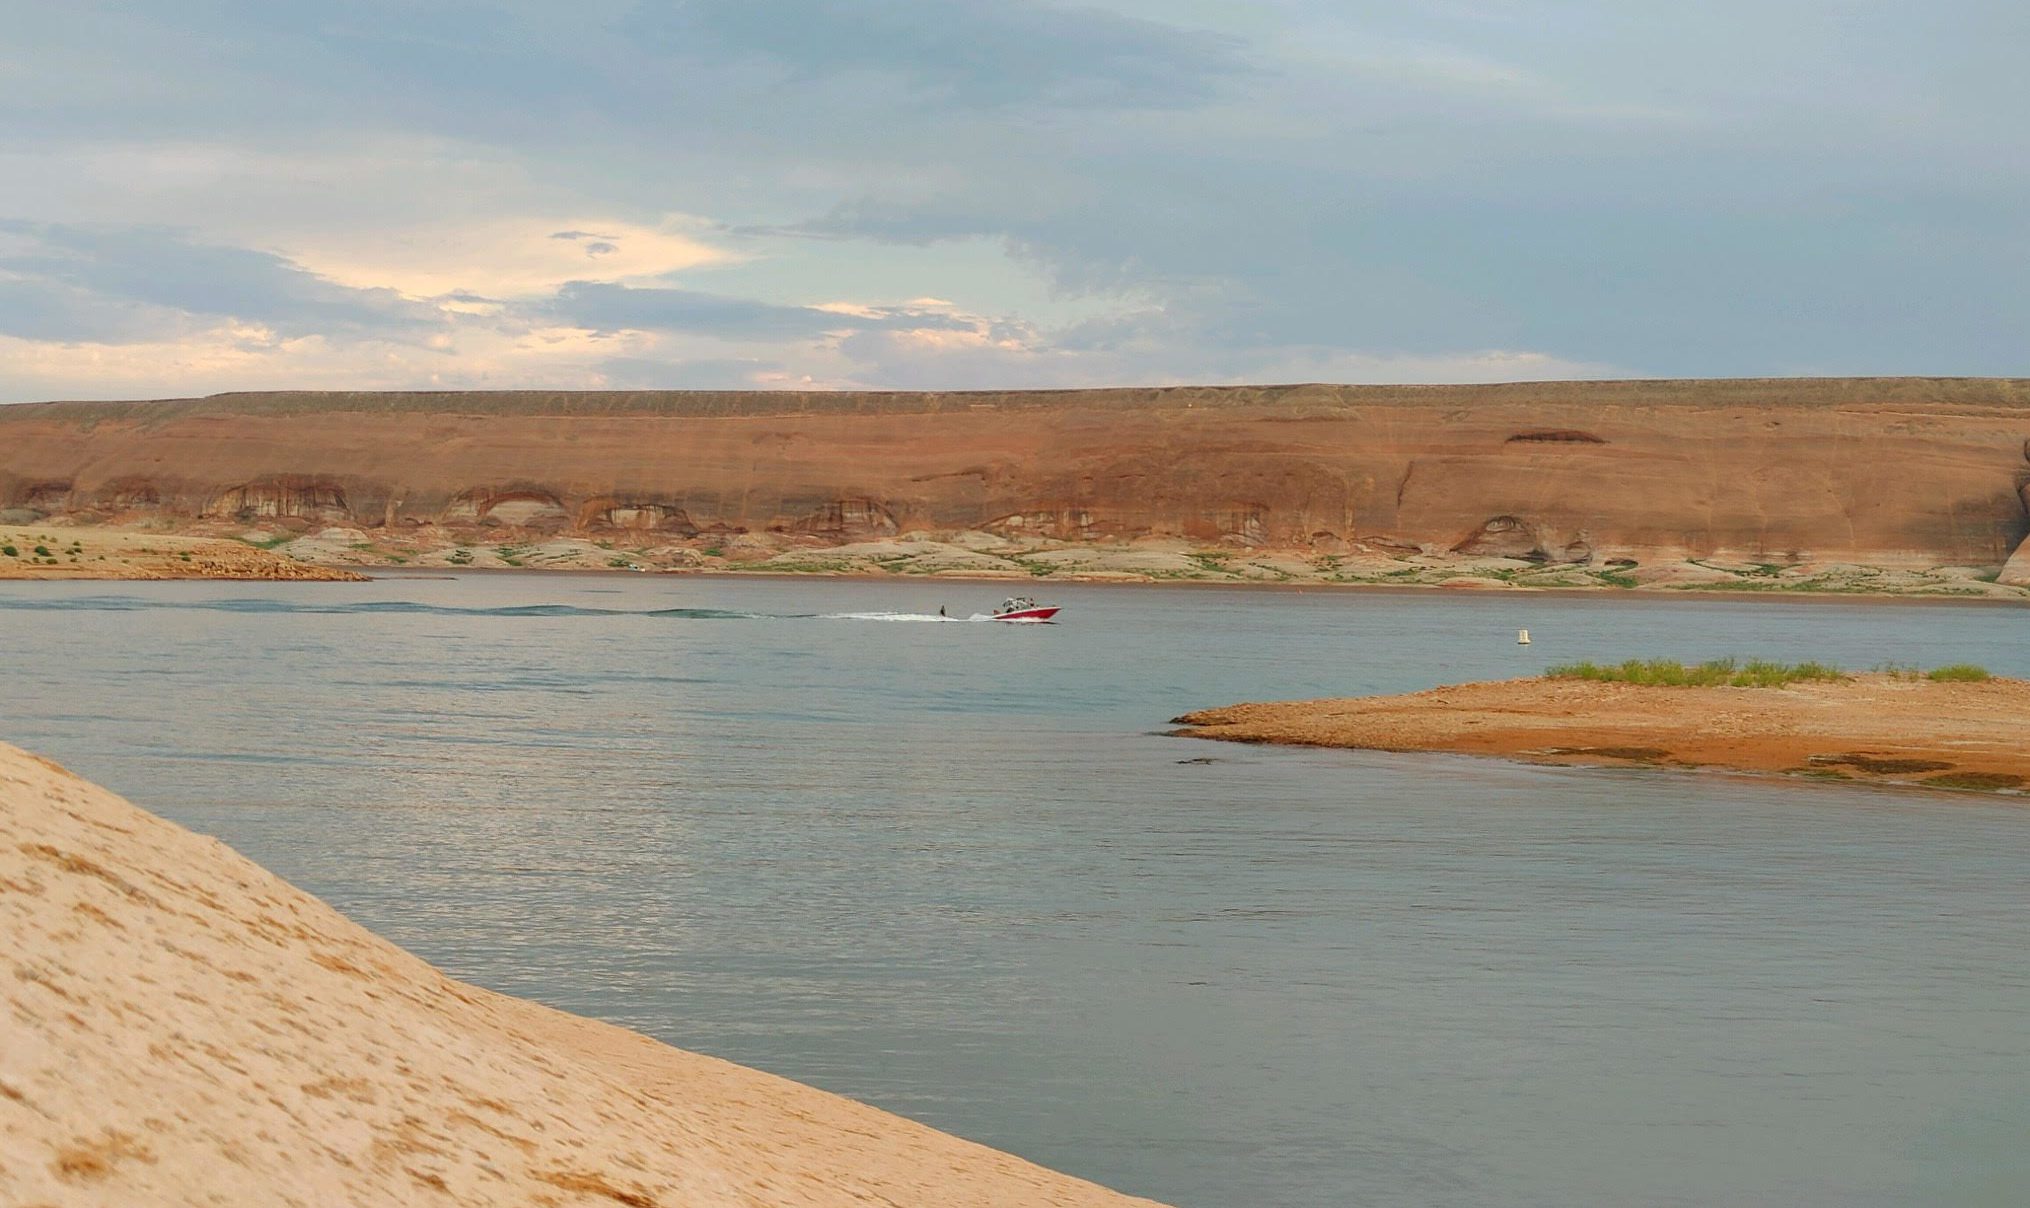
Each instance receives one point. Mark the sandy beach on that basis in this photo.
(53, 551)
(185, 1028)
(1875, 728)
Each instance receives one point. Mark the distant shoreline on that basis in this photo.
(263, 566)
(1317, 587)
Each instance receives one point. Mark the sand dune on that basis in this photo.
(182, 1027)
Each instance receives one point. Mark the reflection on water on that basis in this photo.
(955, 870)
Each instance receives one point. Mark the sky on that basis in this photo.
(212, 195)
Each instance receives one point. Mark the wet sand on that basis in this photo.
(1873, 728)
(183, 1027)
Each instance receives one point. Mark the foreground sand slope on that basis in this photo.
(54, 551)
(1870, 727)
(178, 1026)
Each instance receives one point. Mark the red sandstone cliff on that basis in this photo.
(1860, 469)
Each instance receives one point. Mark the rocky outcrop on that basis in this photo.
(1879, 471)
(634, 513)
(285, 496)
(851, 519)
(516, 505)
(2016, 571)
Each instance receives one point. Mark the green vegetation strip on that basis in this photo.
(1728, 673)
(1715, 673)
(1959, 673)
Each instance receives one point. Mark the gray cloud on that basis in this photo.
(40, 309)
(1658, 191)
(975, 55)
(102, 279)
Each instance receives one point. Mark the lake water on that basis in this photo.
(955, 870)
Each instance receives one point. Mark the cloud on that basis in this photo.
(37, 308)
(1108, 190)
(103, 280)
(607, 307)
(979, 56)
(506, 257)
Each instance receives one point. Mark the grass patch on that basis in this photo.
(1715, 673)
(1884, 767)
(1988, 782)
(1959, 673)
(1634, 754)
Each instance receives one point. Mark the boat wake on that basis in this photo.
(111, 603)
(907, 618)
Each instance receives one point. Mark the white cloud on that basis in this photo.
(515, 257)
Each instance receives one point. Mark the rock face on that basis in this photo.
(182, 1027)
(2016, 572)
(1866, 470)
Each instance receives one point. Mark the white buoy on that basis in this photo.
(1522, 637)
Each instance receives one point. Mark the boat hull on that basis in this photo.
(1027, 614)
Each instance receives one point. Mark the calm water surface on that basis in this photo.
(954, 870)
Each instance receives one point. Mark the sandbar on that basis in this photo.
(1874, 728)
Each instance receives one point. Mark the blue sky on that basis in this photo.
(214, 195)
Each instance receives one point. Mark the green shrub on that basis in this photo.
(10, 551)
(1960, 673)
(1715, 673)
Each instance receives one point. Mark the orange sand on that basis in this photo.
(1872, 727)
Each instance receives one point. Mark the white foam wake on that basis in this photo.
(902, 617)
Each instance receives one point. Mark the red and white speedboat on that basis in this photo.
(1022, 608)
